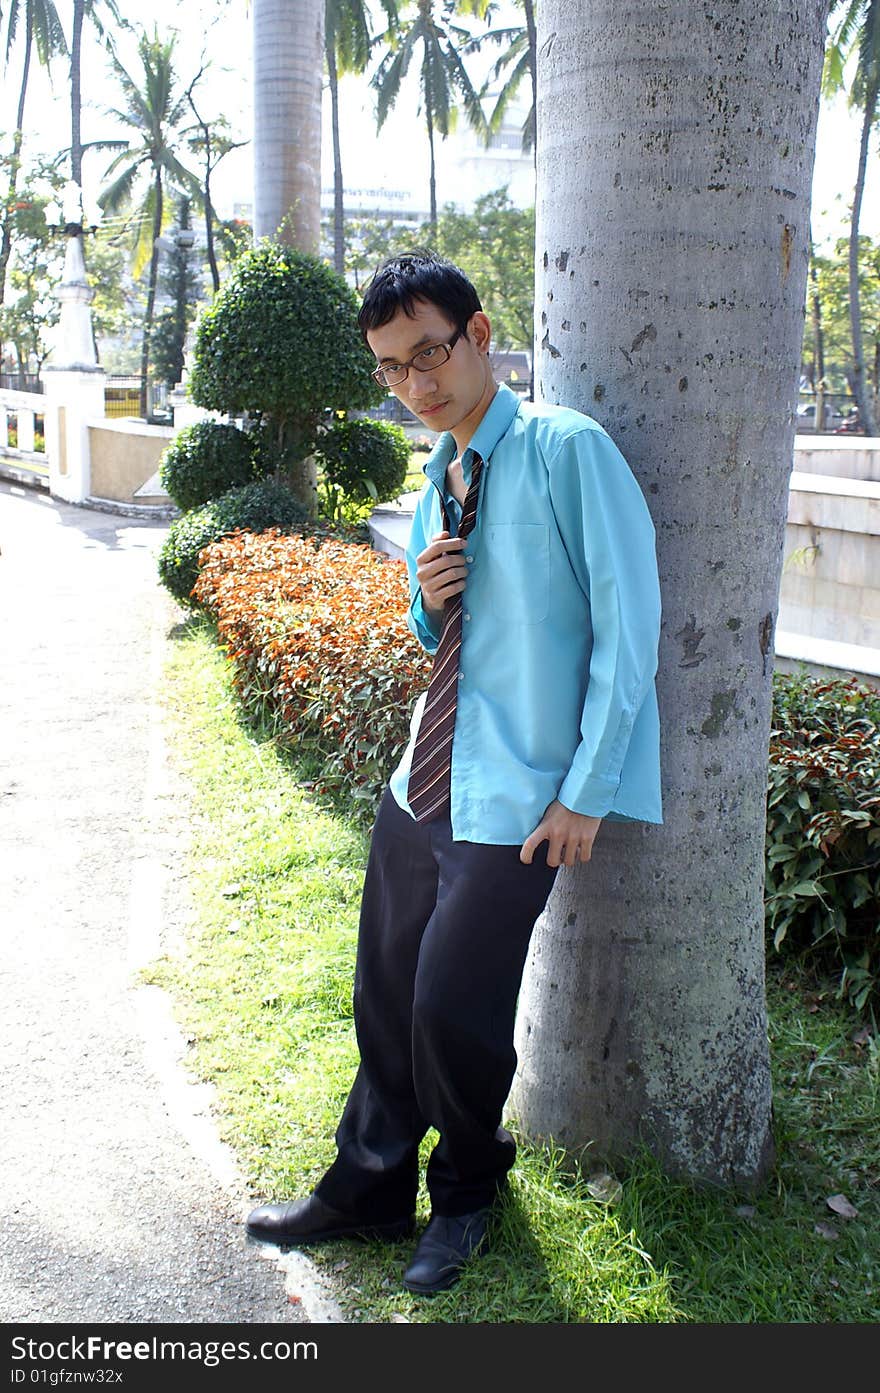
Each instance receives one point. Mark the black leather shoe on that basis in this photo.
(444, 1248)
(311, 1221)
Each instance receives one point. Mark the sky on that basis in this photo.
(394, 161)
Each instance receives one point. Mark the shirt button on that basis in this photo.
(467, 616)
(469, 560)
(461, 677)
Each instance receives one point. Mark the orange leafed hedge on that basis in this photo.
(316, 631)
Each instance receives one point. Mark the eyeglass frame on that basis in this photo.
(449, 344)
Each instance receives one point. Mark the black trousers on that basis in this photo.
(444, 932)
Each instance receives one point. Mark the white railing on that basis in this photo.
(25, 407)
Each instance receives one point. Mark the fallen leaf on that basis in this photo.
(745, 1211)
(841, 1205)
(399, 1319)
(862, 1037)
(826, 1230)
(605, 1188)
(295, 1300)
(341, 1266)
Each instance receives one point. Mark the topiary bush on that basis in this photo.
(207, 459)
(823, 829)
(362, 462)
(253, 507)
(280, 342)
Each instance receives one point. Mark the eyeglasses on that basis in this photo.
(434, 356)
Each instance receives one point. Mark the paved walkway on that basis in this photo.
(117, 1201)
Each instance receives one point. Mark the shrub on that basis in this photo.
(255, 507)
(362, 462)
(205, 460)
(318, 638)
(823, 828)
(280, 342)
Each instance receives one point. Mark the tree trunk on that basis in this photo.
(288, 64)
(818, 345)
(533, 69)
(860, 391)
(75, 93)
(17, 139)
(673, 215)
(338, 205)
(209, 226)
(151, 295)
(433, 186)
(206, 201)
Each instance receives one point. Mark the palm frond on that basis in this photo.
(435, 84)
(493, 36)
(388, 77)
(461, 78)
(507, 93)
(143, 246)
(48, 34)
(11, 28)
(116, 194)
(187, 181)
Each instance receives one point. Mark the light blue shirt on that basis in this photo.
(561, 621)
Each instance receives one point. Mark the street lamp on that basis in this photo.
(180, 240)
(76, 347)
(72, 217)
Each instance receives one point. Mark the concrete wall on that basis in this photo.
(831, 576)
(847, 456)
(124, 455)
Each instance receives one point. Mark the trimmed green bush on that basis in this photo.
(362, 462)
(253, 507)
(207, 459)
(823, 829)
(280, 342)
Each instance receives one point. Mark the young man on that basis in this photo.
(533, 581)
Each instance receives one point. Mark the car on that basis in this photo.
(806, 416)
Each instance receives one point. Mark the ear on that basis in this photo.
(480, 331)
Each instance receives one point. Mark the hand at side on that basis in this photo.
(570, 836)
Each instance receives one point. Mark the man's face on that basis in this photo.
(447, 395)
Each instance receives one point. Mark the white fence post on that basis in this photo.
(74, 396)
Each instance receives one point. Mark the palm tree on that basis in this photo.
(673, 211)
(42, 28)
(442, 73)
(857, 36)
(818, 337)
(288, 61)
(518, 60)
(154, 110)
(81, 10)
(348, 42)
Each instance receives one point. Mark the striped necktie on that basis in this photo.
(428, 788)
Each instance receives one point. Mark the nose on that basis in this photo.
(421, 385)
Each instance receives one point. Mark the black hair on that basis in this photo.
(420, 275)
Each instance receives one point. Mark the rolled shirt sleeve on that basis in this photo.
(420, 533)
(609, 536)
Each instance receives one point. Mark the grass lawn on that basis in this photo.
(264, 990)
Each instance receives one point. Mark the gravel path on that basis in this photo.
(117, 1201)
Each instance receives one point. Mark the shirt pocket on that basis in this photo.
(518, 562)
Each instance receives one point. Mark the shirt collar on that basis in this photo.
(495, 423)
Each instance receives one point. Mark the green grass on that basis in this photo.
(264, 991)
